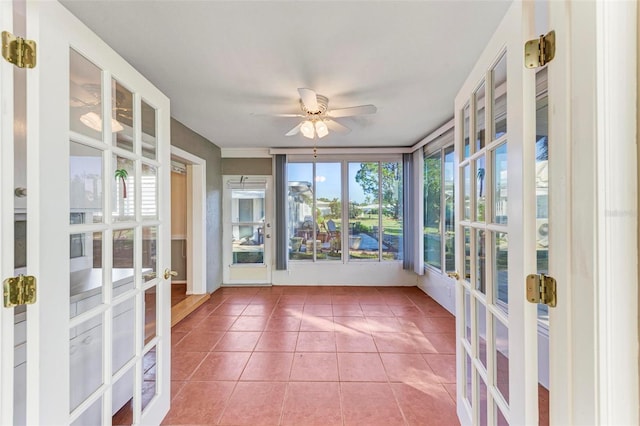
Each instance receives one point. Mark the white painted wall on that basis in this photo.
(350, 274)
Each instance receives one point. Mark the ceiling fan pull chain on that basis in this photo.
(315, 152)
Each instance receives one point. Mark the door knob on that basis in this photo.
(454, 274)
(268, 235)
(169, 273)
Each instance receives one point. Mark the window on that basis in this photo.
(373, 217)
(439, 218)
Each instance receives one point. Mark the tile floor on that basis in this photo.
(314, 356)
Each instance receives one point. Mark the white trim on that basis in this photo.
(341, 151)
(196, 220)
(435, 134)
(245, 153)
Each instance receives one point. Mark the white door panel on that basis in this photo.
(97, 240)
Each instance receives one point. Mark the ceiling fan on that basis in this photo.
(318, 119)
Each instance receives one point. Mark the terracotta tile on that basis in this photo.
(372, 299)
(197, 341)
(402, 343)
(229, 308)
(277, 341)
(248, 323)
(259, 309)
(443, 343)
(317, 311)
(268, 366)
(183, 364)
(313, 323)
(451, 390)
(316, 341)
(176, 337)
(314, 366)
(433, 309)
(239, 299)
(287, 310)
(355, 341)
(340, 299)
(312, 404)
(347, 310)
(237, 341)
(369, 404)
(292, 299)
(218, 322)
(361, 367)
(199, 403)
(384, 324)
(222, 366)
(408, 368)
(318, 299)
(397, 300)
(439, 325)
(444, 366)
(187, 324)
(283, 324)
(405, 310)
(346, 324)
(425, 404)
(176, 387)
(254, 404)
(376, 310)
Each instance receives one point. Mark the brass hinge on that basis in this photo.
(540, 51)
(20, 290)
(541, 289)
(18, 51)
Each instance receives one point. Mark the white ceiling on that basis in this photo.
(225, 64)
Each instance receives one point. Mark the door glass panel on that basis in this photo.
(124, 322)
(432, 209)
(466, 194)
(467, 254)
(329, 210)
(500, 194)
(86, 278)
(480, 118)
(467, 315)
(481, 324)
(122, 402)
(149, 382)
(499, 78)
(85, 184)
(449, 212)
(248, 214)
(502, 358)
(91, 416)
(481, 282)
(542, 184)
(150, 313)
(85, 369)
(468, 387)
(122, 116)
(501, 270)
(500, 419)
(149, 198)
(482, 399)
(389, 230)
(149, 253)
(466, 112)
(123, 257)
(364, 210)
(123, 189)
(85, 96)
(480, 189)
(148, 116)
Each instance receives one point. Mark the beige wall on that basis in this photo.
(178, 204)
(246, 166)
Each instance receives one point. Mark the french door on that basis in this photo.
(496, 326)
(97, 236)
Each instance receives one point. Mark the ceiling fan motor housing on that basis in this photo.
(323, 105)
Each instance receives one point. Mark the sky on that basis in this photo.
(328, 180)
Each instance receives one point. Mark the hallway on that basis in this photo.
(314, 356)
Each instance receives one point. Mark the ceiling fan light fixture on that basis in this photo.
(321, 129)
(307, 129)
(93, 121)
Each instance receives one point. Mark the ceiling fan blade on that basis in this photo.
(309, 99)
(294, 131)
(351, 111)
(276, 115)
(336, 127)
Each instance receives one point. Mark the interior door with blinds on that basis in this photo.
(98, 172)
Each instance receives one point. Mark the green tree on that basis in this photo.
(432, 190)
(336, 208)
(368, 178)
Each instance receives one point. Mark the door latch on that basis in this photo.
(20, 290)
(541, 289)
(169, 273)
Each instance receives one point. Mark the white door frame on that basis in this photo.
(196, 220)
(592, 104)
